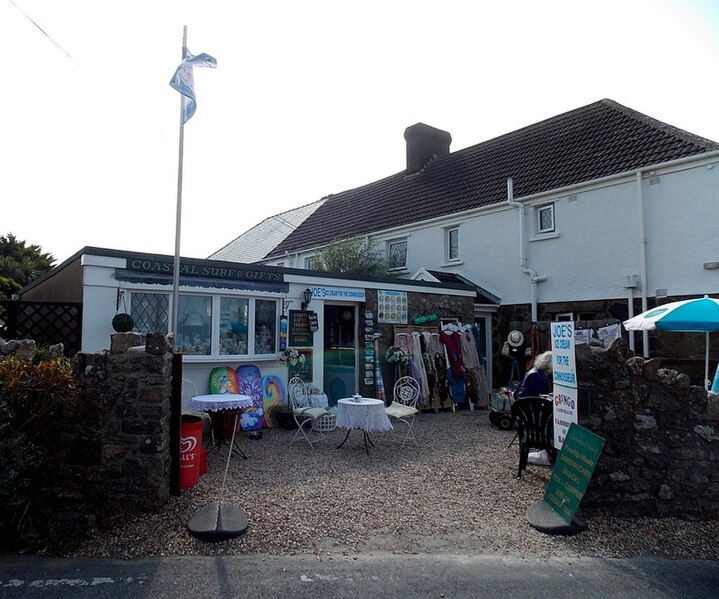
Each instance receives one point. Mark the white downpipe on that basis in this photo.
(534, 278)
(630, 312)
(642, 258)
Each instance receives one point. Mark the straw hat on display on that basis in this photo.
(515, 338)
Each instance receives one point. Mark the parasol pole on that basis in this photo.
(178, 214)
(707, 382)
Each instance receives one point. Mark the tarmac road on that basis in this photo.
(377, 575)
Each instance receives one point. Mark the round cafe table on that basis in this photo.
(221, 407)
(363, 413)
(220, 519)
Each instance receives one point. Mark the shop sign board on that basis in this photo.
(564, 374)
(338, 293)
(300, 331)
(204, 270)
(572, 471)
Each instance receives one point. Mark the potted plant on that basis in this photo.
(122, 322)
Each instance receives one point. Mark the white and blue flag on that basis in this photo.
(184, 83)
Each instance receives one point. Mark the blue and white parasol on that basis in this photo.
(700, 315)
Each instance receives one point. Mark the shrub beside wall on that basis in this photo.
(98, 442)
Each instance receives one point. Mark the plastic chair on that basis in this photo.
(403, 407)
(534, 418)
(304, 414)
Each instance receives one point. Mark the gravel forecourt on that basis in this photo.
(456, 493)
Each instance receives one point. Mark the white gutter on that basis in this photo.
(642, 257)
(534, 278)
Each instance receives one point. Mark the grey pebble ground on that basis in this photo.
(456, 493)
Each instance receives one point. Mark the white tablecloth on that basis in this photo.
(364, 413)
(224, 401)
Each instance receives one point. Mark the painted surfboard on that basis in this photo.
(223, 379)
(250, 382)
(273, 396)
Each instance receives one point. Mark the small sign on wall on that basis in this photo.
(303, 368)
(392, 307)
(300, 333)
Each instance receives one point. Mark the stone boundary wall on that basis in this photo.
(661, 452)
(124, 444)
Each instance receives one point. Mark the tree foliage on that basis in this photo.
(358, 256)
(21, 263)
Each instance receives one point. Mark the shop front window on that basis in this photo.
(194, 330)
(234, 321)
(265, 326)
(150, 312)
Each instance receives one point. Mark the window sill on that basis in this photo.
(229, 358)
(398, 271)
(545, 236)
(453, 263)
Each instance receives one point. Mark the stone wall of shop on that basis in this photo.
(661, 452)
(419, 304)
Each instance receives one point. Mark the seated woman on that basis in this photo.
(536, 381)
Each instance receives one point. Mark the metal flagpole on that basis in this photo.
(178, 216)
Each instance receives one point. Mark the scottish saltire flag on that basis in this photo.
(184, 83)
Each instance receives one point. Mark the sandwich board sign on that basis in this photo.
(564, 376)
(572, 471)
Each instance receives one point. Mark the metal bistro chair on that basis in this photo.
(304, 414)
(189, 390)
(534, 418)
(404, 405)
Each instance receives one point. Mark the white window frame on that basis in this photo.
(308, 262)
(541, 209)
(392, 242)
(215, 355)
(448, 245)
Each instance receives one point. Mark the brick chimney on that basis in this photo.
(423, 144)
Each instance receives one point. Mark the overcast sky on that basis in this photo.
(309, 98)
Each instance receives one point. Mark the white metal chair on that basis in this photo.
(189, 390)
(304, 414)
(403, 407)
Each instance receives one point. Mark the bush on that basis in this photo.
(37, 398)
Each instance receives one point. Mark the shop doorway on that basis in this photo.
(340, 351)
(484, 325)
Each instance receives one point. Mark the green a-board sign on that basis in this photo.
(572, 471)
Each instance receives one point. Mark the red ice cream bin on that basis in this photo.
(190, 446)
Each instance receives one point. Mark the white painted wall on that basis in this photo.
(597, 241)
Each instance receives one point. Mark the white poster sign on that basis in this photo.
(392, 307)
(564, 372)
(565, 412)
(564, 367)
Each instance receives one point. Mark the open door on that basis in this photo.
(340, 349)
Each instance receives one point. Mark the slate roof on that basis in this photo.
(594, 141)
(253, 245)
(483, 296)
